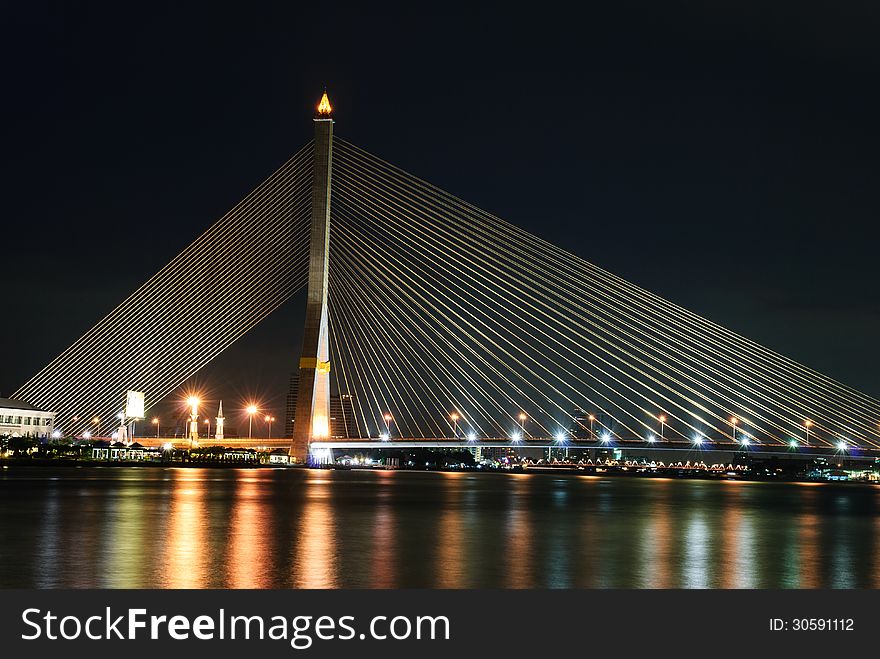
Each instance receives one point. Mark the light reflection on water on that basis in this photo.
(194, 528)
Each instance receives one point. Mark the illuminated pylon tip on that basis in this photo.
(324, 108)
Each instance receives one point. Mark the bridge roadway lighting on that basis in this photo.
(592, 418)
(651, 438)
(384, 437)
(522, 423)
(807, 425)
(207, 428)
(842, 446)
(733, 422)
(97, 422)
(87, 435)
(793, 443)
(698, 439)
(662, 419)
(472, 436)
(388, 418)
(251, 410)
(454, 416)
(606, 437)
(156, 423)
(269, 419)
(516, 436)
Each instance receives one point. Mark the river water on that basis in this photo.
(294, 528)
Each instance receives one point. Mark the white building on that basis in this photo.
(20, 419)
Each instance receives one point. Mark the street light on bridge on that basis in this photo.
(592, 418)
(662, 420)
(522, 423)
(97, 421)
(733, 422)
(251, 410)
(454, 416)
(807, 425)
(269, 420)
(156, 423)
(388, 419)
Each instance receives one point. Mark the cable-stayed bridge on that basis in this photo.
(440, 322)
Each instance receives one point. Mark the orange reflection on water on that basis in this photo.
(451, 560)
(248, 538)
(185, 555)
(809, 537)
(384, 559)
(657, 542)
(314, 558)
(517, 560)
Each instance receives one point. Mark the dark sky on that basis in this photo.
(725, 155)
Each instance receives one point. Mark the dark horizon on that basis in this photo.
(723, 157)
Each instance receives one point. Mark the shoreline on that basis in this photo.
(609, 472)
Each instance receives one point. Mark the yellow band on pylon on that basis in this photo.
(312, 362)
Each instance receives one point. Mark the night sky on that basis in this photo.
(725, 156)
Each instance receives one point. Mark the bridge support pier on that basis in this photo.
(312, 415)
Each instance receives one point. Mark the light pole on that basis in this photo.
(156, 423)
(807, 425)
(733, 422)
(662, 419)
(592, 419)
(522, 423)
(388, 419)
(207, 428)
(454, 417)
(97, 422)
(251, 410)
(269, 420)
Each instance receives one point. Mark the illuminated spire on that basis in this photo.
(218, 434)
(324, 108)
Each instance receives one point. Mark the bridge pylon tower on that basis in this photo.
(312, 414)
